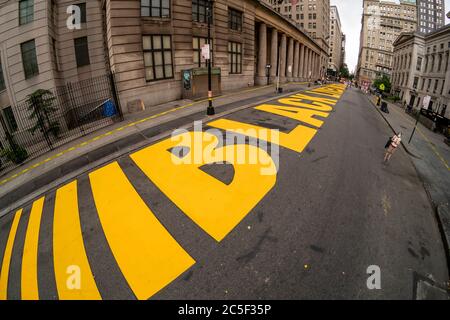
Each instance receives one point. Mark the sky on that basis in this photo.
(350, 12)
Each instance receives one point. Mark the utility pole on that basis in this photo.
(210, 110)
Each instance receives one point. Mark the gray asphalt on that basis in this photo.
(335, 210)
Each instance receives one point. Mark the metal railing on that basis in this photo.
(49, 119)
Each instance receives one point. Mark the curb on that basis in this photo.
(443, 214)
(52, 179)
(393, 130)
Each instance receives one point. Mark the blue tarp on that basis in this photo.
(109, 109)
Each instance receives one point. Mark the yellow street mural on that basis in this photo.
(148, 256)
(68, 247)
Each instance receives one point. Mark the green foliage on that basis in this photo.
(15, 154)
(383, 80)
(41, 106)
(344, 72)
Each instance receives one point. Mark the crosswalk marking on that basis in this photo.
(29, 279)
(4, 273)
(68, 247)
(148, 256)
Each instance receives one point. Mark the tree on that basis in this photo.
(40, 103)
(383, 80)
(344, 72)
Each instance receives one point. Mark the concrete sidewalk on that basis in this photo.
(431, 158)
(135, 131)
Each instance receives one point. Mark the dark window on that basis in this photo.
(2, 79)
(55, 53)
(234, 19)
(197, 44)
(82, 7)
(199, 12)
(157, 57)
(155, 8)
(416, 82)
(235, 57)
(29, 59)
(10, 119)
(54, 13)
(81, 51)
(419, 64)
(26, 11)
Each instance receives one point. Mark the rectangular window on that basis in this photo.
(197, 44)
(416, 82)
(82, 7)
(155, 8)
(199, 10)
(55, 53)
(81, 51)
(54, 13)
(2, 79)
(26, 11)
(234, 19)
(29, 59)
(419, 64)
(10, 119)
(157, 57)
(235, 57)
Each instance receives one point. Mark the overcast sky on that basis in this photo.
(350, 12)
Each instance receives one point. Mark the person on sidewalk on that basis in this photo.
(392, 146)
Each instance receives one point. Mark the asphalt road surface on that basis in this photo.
(144, 227)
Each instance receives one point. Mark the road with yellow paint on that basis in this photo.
(297, 182)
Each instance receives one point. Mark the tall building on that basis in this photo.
(343, 53)
(430, 15)
(335, 41)
(312, 16)
(382, 22)
(422, 68)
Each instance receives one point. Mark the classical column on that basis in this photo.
(296, 60)
(316, 66)
(301, 70)
(262, 55)
(308, 65)
(290, 60)
(283, 59)
(274, 55)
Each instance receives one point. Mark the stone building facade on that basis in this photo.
(39, 51)
(311, 16)
(421, 68)
(382, 23)
(336, 41)
(147, 44)
(430, 15)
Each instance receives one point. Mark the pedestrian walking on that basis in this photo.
(391, 146)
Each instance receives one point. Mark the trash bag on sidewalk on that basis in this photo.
(384, 107)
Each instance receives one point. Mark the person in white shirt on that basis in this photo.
(395, 143)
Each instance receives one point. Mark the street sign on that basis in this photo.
(426, 102)
(382, 87)
(205, 51)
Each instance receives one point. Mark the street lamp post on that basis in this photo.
(210, 110)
